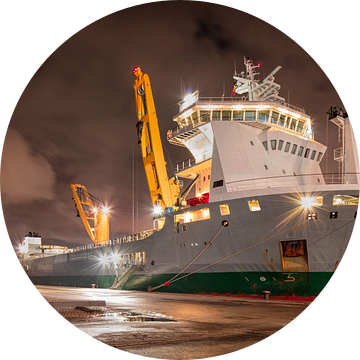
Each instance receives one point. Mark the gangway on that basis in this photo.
(123, 276)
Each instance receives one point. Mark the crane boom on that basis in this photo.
(164, 192)
(99, 233)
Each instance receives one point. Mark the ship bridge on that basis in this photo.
(194, 131)
(236, 140)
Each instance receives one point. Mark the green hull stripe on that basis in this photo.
(305, 284)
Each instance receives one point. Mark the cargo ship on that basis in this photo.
(258, 215)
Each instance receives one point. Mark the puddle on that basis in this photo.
(101, 312)
(136, 318)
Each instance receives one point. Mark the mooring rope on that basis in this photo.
(176, 278)
(218, 261)
(225, 223)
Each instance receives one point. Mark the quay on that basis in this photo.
(172, 326)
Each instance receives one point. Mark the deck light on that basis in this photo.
(157, 210)
(105, 210)
(307, 202)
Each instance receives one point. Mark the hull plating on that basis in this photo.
(249, 256)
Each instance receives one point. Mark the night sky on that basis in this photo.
(75, 120)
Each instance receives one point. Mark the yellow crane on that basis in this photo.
(164, 192)
(99, 216)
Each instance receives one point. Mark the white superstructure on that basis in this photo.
(265, 142)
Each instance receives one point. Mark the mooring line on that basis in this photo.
(224, 224)
(238, 252)
(222, 227)
(218, 261)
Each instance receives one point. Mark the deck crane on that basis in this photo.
(164, 191)
(99, 216)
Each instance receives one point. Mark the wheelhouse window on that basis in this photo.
(273, 144)
(293, 124)
(265, 145)
(226, 115)
(313, 155)
(250, 115)
(300, 126)
(254, 205)
(301, 150)
(205, 115)
(307, 153)
(238, 115)
(263, 115)
(274, 117)
(195, 117)
(282, 120)
(216, 115)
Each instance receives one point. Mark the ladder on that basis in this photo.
(123, 276)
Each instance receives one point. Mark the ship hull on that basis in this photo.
(288, 285)
(279, 248)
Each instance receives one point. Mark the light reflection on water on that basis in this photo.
(135, 318)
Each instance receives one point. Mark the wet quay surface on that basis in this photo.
(172, 326)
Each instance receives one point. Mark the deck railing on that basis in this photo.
(237, 185)
(242, 100)
(190, 162)
(293, 180)
(119, 240)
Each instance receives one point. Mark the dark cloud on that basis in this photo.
(26, 176)
(209, 29)
(75, 121)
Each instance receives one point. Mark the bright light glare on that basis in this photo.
(105, 210)
(114, 258)
(308, 202)
(188, 216)
(94, 210)
(157, 210)
(190, 99)
(103, 259)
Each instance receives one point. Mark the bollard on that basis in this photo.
(266, 295)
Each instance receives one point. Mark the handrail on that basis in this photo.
(119, 240)
(291, 180)
(192, 161)
(213, 100)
